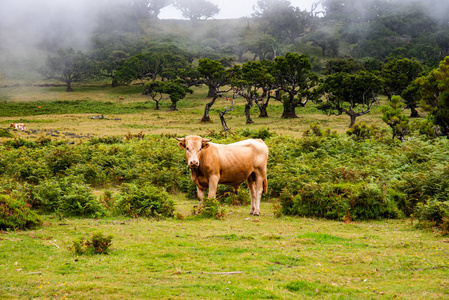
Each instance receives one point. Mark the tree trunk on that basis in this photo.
(353, 117)
(69, 86)
(114, 82)
(206, 117)
(211, 93)
(223, 121)
(248, 113)
(263, 111)
(289, 110)
(173, 107)
(414, 113)
(263, 108)
(157, 104)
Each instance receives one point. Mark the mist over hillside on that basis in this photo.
(30, 30)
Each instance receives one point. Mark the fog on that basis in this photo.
(30, 28)
(24, 23)
(233, 9)
(28, 22)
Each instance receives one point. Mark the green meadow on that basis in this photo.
(187, 256)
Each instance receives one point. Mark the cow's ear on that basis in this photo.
(181, 142)
(205, 143)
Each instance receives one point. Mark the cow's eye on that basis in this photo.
(187, 149)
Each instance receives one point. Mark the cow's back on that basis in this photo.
(233, 163)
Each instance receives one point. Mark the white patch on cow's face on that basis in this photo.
(193, 149)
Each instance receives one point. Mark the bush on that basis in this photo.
(425, 185)
(262, 133)
(226, 195)
(6, 134)
(16, 214)
(315, 130)
(30, 170)
(78, 200)
(67, 196)
(360, 131)
(106, 140)
(61, 159)
(435, 213)
(339, 201)
(211, 209)
(98, 244)
(20, 142)
(47, 195)
(144, 201)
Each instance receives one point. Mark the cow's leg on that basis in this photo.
(236, 189)
(258, 193)
(213, 184)
(200, 194)
(252, 193)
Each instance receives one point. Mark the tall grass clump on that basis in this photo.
(97, 244)
(210, 208)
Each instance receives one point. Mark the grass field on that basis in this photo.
(240, 257)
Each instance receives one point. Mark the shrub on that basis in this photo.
(16, 214)
(315, 130)
(424, 185)
(339, 201)
(30, 170)
(435, 213)
(144, 201)
(6, 134)
(61, 159)
(226, 194)
(106, 140)
(262, 133)
(98, 244)
(211, 209)
(360, 131)
(78, 200)
(20, 142)
(67, 196)
(47, 195)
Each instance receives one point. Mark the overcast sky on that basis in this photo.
(231, 9)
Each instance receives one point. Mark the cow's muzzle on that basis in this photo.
(194, 164)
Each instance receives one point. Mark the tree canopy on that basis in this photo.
(295, 82)
(197, 10)
(434, 91)
(283, 21)
(351, 94)
(68, 65)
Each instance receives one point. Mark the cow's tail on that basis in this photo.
(265, 185)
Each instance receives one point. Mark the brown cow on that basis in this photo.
(232, 164)
(18, 126)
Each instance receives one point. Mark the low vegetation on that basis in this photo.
(386, 202)
(124, 175)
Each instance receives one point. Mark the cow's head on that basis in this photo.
(193, 146)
